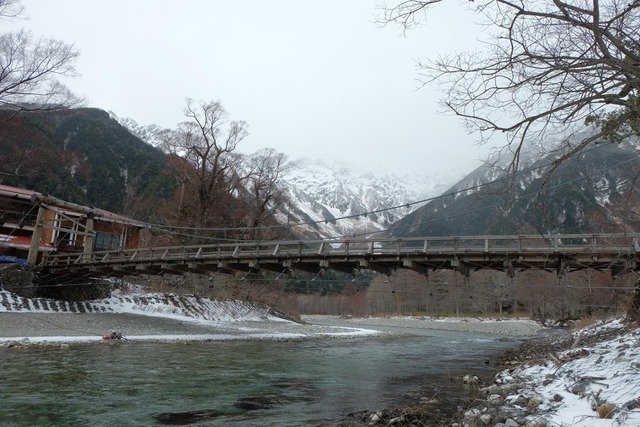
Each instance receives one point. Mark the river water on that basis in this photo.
(234, 383)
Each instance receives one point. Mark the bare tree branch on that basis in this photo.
(206, 143)
(31, 68)
(263, 183)
(10, 9)
(549, 67)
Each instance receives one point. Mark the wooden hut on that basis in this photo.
(32, 223)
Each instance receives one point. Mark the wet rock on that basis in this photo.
(486, 419)
(518, 400)
(495, 399)
(397, 420)
(539, 422)
(184, 418)
(503, 390)
(579, 388)
(472, 415)
(470, 379)
(533, 403)
(253, 403)
(632, 404)
(375, 417)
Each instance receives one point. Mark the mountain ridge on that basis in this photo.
(586, 193)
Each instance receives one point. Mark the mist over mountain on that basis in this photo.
(593, 191)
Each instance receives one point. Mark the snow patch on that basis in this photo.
(181, 307)
(570, 392)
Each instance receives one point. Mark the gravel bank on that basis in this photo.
(513, 328)
(91, 326)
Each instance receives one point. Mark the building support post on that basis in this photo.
(32, 257)
(87, 245)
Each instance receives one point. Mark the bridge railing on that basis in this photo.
(509, 244)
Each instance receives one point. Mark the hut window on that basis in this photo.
(106, 241)
(65, 234)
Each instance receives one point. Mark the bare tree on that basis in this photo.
(208, 141)
(548, 68)
(31, 68)
(266, 194)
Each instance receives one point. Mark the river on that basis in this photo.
(235, 383)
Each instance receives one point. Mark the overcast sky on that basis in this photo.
(311, 78)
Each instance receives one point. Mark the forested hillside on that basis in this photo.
(594, 191)
(198, 181)
(83, 156)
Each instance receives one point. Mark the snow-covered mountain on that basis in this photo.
(329, 199)
(148, 133)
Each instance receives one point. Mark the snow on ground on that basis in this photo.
(180, 307)
(571, 387)
(170, 318)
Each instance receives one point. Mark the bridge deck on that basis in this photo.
(560, 253)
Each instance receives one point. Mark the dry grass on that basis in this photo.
(586, 321)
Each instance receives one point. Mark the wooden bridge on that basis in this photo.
(617, 253)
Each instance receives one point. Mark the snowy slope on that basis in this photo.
(589, 192)
(184, 307)
(323, 193)
(148, 133)
(594, 385)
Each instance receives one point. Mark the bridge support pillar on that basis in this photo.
(563, 267)
(412, 265)
(460, 267)
(508, 267)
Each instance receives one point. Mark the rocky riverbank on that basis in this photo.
(585, 378)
